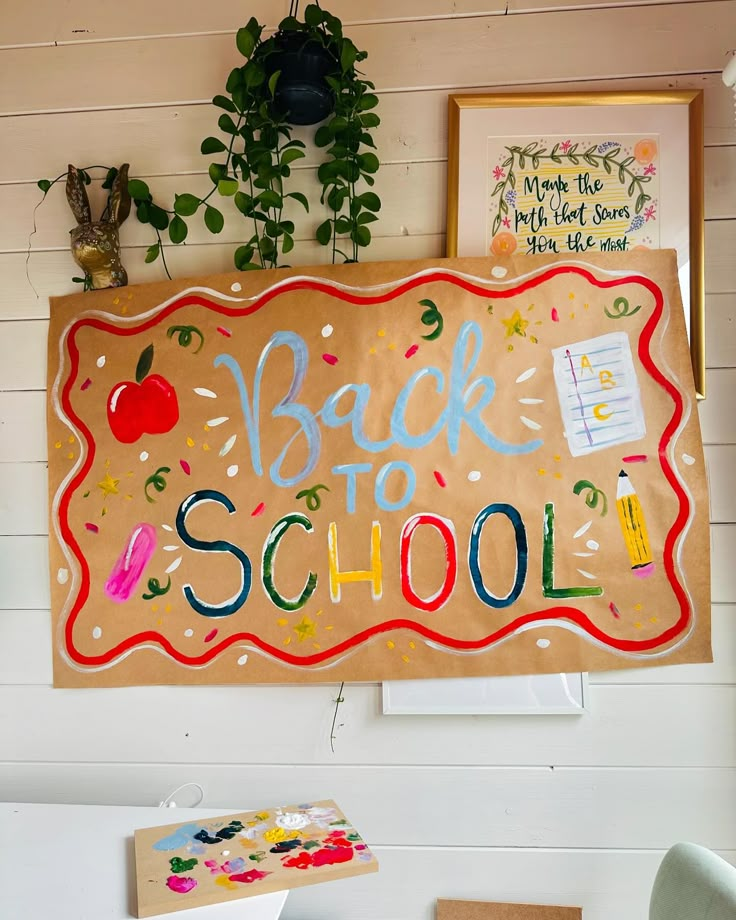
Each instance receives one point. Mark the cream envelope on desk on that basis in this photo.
(204, 862)
(448, 909)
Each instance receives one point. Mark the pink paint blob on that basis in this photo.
(210, 635)
(441, 481)
(635, 458)
(93, 528)
(644, 571)
(223, 331)
(87, 383)
(258, 510)
(181, 885)
(411, 351)
(127, 571)
(555, 315)
(330, 359)
(252, 875)
(185, 466)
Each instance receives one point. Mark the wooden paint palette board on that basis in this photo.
(448, 909)
(203, 862)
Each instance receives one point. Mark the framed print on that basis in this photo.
(546, 173)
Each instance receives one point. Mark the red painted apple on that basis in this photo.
(148, 406)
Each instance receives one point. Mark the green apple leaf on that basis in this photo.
(144, 364)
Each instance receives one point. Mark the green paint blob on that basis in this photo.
(182, 865)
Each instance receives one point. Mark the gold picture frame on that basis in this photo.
(480, 125)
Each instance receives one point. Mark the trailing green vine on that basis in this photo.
(535, 153)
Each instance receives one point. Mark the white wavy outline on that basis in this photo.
(493, 283)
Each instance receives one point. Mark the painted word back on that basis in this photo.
(463, 467)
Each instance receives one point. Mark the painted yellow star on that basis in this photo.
(515, 324)
(305, 628)
(108, 485)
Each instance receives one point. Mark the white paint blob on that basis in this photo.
(242, 659)
(168, 527)
(543, 643)
(327, 331)
(686, 458)
(214, 422)
(228, 445)
(474, 476)
(586, 574)
(97, 633)
(591, 544)
(236, 286)
(529, 401)
(581, 530)
(203, 391)
(526, 375)
(232, 470)
(143, 456)
(101, 361)
(174, 565)
(189, 633)
(530, 423)
(292, 821)
(62, 576)
(498, 271)
(227, 852)
(171, 549)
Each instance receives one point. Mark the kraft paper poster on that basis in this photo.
(449, 909)
(368, 472)
(203, 862)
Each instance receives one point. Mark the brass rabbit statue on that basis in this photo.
(96, 244)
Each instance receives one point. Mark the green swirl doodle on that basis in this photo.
(184, 336)
(313, 500)
(593, 496)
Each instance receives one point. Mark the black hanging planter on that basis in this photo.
(302, 92)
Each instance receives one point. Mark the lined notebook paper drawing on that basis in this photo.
(598, 393)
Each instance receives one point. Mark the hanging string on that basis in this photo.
(294, 8)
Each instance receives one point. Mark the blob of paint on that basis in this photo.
(327, 331)
(97, 633)
(543, 643)
(223, 331)
(258, 510)
(441, 481)
(210, 635)
(614, 610)
(236, 286)
(330, 359)
(143, 456)
(181, 885)
(185, 466)
(101, 361)
(87, 383)
(411, 351)
(242, 660)
(232, 470)
(62, 576)
(686, 458)
(498, 271)
(92, 528)
(635, 458)
(129, 567)
(555, 315)
(189, 633)
(474, 476)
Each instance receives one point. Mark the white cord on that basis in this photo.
(168, 803)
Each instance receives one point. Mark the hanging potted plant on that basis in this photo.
(304, 73)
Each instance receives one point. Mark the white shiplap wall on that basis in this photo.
(575, 811)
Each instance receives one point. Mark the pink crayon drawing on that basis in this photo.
(127, 571)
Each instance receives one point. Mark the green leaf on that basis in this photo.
(212, 144)
(343, 224)
(234, 79)
(186, 205)
(227, 187)
(313, 15)
(324, 232)
(288, 156)
(178, 230)
(290, 24)
(368, 162)
(272, 81)
(138, 189)
(243, 255)
(348, 54)
(366, 218)
(213, 219)
(227, 125)
(302, 199)
(368, 101)
(288, 243)
(110, 177)
(245, 42)
(370, 120)
(270, 199)
(222, 102)
(337, 123)
(44, 185)
(146, 359)
(243, 203)
(287, 226)
(142, 212)
(370, 200)
(217, 171)
(158, 217)
(361, 235)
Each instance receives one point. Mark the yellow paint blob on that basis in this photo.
(390, 644)
(405, 658)
(57, 445)
(71, 439)
(392, 346)
(70, 456)
(190, 442)
(282, 622)
(381, 332)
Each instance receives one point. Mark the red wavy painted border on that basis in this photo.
(569, 613)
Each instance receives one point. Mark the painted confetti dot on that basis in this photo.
(203, 391)
(87, 384)
(223, 331)
(327, 331)
(258, 510)
(411, 351)
(143, 456)
(93, 528)
(498, 271)
(189, 633)
(62, 576)
(543, 643)
(97, 633)
(210, 635)
(474, 476)
(185, 466)
(232, 470)
(441, 481)
(686, 458)
(555, 315)
(330, 359)
(101, 361)
(236, 286)
(242, 659)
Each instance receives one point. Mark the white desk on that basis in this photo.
(76, 862)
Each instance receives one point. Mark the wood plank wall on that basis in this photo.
(576, 811)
